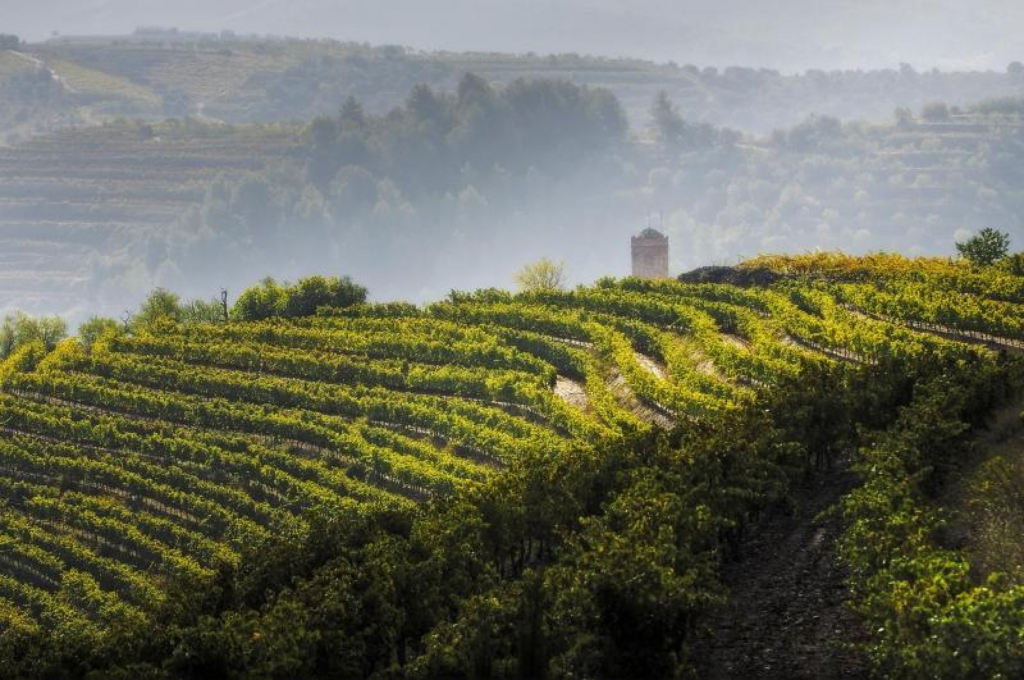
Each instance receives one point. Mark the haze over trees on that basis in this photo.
(457, 190)
(156, 73)
(460, 167)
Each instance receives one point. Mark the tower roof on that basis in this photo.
(652, 234)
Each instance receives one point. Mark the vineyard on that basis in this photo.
(79, 207)
(246, 80)
(162, 457)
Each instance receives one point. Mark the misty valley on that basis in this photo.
(418, 189)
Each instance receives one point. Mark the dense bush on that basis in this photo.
(303, 298)
(928, 615)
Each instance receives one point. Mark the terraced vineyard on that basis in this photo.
(160, 456)
(77, 207)
(244, 81)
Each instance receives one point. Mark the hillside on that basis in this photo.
(155, 75)
(484, 448)
(79, 209)
(455, 189)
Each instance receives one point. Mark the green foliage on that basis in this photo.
(304, 298)
(161, 305)
(311, 293)
(676, 134)
(26, 357)
(994, 509)
(1013, 264)
(540, 276)
(19, 329)
(928, 617)
(499, 485)
(441, 167)
(985, 248)
(633, 581)
(203, 311)
(424, 145)
(815, 134)
(95, 328)
(262, 301)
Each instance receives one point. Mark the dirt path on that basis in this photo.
(786, 617)
(39, 63)
(572, 392)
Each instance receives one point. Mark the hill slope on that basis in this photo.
(107, 212)
(168, 461)
(160, 74)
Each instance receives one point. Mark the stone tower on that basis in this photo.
(650, 254)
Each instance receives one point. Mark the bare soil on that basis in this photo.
(786, 617)
(572, 392)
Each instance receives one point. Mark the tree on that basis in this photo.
(814, 133)
(202, 311)
(985, 248)
(427, 107)
(542, 275)
(1013, 264)
(19, 329)
(261, 301)
(322, 132)
(270, 298)
(309, 294)
(252, 201)
(935, 112)
(1015, 69)
(667, 124)
(353, 192)
(352, 115)
(94, 328)
(161, 305)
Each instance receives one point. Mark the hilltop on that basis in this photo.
(156, 74)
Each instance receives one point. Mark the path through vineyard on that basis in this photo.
(786, 617)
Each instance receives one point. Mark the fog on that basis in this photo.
(791, 35)
(197, 161)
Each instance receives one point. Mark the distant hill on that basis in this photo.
(791, 35)
(103, 214)
(159, 74)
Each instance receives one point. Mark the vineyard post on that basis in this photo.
(224, 303)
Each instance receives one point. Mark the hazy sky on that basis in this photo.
(785, 34)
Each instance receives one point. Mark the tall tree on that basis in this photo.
(542, 275)
(986, 247)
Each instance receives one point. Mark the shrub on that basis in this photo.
(304, 298)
